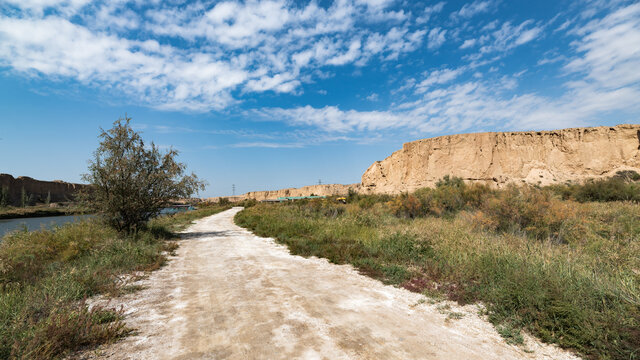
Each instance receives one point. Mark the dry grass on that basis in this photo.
(45, 276)
(565, 271)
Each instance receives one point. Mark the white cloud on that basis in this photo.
(528, 35)
(37, 7)
(610, 52)
(373, 97)
(282, 83)
(268, 145)
(349, 56)
(607, 60)
(332, 119)
(468, 43)
(251, 46)
(429, 11)
(471, 9)
(438, 77)
(165, 77)
(501, 40)
(436, 38)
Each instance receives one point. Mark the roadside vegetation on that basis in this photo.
(562, 262)
(47, 275)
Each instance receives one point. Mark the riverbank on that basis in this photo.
(46, 275)
(12, 212)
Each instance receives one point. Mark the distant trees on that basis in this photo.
(4, 196)
(131, 182)
(26, 199)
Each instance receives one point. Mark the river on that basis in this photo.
(36, 223)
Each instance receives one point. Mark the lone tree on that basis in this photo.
(131, 182)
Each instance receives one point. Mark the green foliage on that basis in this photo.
(46, 275)
(407, 206)
(247, 203)
(450, 196)
(224, 201)
(4, 196)
(565, 271)
(450, 181)
(627, 175)
(525, 209)
(352, 195)
(25, 198)
(131, 182)
(621, 187)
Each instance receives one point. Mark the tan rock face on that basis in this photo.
(320, 190)
(542, 157)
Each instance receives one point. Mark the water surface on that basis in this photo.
(37, 223)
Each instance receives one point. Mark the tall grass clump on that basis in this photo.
(565, 271)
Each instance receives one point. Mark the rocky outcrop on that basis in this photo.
(37, 190)
(499, 158)
(319, 190)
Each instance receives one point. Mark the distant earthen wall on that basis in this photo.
(60, 191)
(320, 190)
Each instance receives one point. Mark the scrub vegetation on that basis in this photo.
(46, 276)
(562, 262)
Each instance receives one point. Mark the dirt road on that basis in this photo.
(231, 295)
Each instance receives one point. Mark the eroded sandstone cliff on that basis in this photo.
(499, 158)
(319, 190)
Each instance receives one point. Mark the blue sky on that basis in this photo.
(274, 94)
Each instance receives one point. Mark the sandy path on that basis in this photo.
(231, 295)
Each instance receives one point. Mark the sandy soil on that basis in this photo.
(231, 295)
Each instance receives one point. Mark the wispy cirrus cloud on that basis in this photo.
(604, 80)
(471, 9)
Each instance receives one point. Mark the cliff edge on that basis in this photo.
(499, 158)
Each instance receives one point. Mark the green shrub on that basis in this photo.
(131, 182)
(406, 206)
(450, 181)
(450, 196)
(247, 203)
(524, 209)
(620, 187)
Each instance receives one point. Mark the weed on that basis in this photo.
(511, 334)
